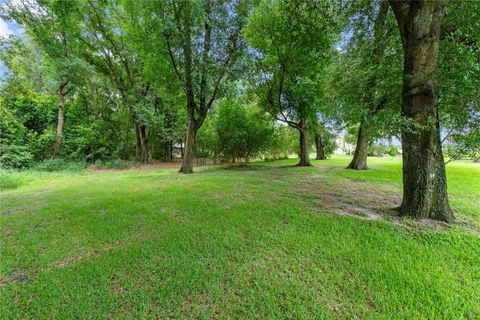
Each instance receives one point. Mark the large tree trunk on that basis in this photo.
(319, 147)
(304, 159)
(189, 153)
(60, 123)
(424, 179)
(359, 161)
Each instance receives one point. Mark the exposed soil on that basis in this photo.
(364, 200)
(156, 164)
(94, 253)
(349, 197)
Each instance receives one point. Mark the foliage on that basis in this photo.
(113, 164)
(329, 142)
(15, 156)
(393, 151)
(365, 78)
(127, 69)
(206, 143)
(291, 45)
(284, 143)
(242, 132)
(459, 79)
(59, 164)
(378, 149)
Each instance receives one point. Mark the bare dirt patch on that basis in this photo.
(329, 167)
(16, 278)
(368, 201)
(150, 166)
(349, 197)
(94, 253)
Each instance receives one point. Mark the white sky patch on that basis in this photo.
(5, 31)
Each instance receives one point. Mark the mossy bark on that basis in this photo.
(424, 180)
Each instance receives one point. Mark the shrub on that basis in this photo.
(329, 143)
(377, 149)
(242, 132)
(393, 151)
(60, 165)
(283, 142)
(16, 157)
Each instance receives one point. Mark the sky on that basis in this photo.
(8, 28)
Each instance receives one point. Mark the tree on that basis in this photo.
(109, 44)
(319, 131)
(319, 147)
(366, 75)
(52, 26)
(459, 79)
(424, 178)
(204, 43)
(291, 43)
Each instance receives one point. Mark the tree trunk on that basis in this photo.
(144, 143)
(304, 159)
(60, 123)
(189, 153)
(424, 179)
(138, 143)
(359, 161)
(181, 149)
(319, 147)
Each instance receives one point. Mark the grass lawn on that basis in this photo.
(264, 241)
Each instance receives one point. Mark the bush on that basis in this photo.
(206, 141)
(377, 149)
(393, 151)
(329, 143)
(242, 132)
(15, 157)
(59, 164)
(284, 142)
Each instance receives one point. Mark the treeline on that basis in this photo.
(119, 79)
(92, 81)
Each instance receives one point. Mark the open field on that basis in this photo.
(263, 241)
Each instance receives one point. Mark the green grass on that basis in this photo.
(10, 179)
(241, 243)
